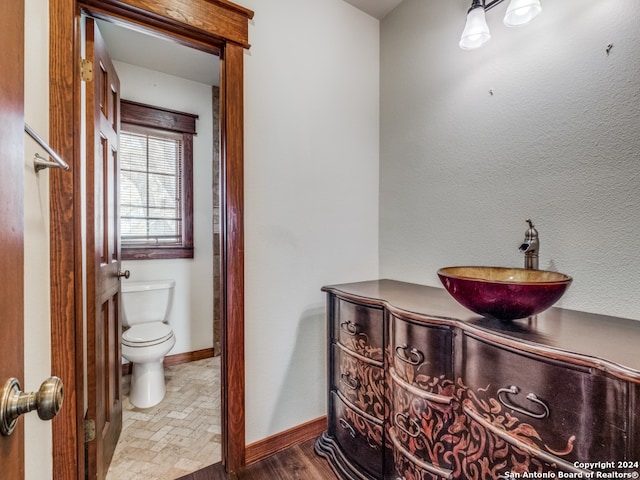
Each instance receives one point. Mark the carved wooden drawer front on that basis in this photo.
(360, 381)
(359, 437)
(559, 412)
(421, 355)
(423, 428)
(359, 329)
(408, 466)
(419, 389)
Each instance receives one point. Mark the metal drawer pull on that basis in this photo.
(417, 357)
(513, 390)
(406, 421)
(348, 427)
(349, 328)
(351, 382)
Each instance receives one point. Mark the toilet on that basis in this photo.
(147, 338)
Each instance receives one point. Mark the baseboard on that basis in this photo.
(187, 357)
(281, 441)
(177, 359)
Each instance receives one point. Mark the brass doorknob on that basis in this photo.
(125, 274)
(13, 403)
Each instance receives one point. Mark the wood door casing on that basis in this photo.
(12, 219)
(103, 262)
(213, 33)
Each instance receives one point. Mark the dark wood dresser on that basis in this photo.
(422, 389)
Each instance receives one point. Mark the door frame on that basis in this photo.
(215, 26)
(12, 448)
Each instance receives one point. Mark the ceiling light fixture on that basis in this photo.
(476, 31)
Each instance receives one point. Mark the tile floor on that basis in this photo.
(176, 437)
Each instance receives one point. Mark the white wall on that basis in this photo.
(311, 194)
(37, 324)
(191, 315)
(557, 141)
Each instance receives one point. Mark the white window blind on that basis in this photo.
(150, 187)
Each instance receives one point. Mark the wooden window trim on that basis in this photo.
(157, 117)
(162, 118)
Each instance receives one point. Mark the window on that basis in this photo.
(156, 182)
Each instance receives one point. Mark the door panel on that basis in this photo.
(11, 219)
(103, 255)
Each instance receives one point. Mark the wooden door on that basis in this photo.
(11, 219)
(103, 255)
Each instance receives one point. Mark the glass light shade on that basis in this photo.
(521, 12)
(476, 31)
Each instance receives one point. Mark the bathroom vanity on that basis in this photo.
(422, 389)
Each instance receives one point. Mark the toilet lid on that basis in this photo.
(146, 334)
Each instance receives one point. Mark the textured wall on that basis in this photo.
(311, 194)
(539, 123)
(37, 328)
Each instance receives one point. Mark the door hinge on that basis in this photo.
(86, 70)
(89, 430)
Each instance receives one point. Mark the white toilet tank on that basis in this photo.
(144, 302)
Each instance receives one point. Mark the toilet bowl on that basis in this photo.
(147, 338)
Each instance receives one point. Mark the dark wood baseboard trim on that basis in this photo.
(187, 357)
(281, 441)
(177, 359)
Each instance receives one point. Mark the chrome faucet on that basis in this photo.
(530, 247)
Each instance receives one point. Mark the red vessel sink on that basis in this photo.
(504, 293)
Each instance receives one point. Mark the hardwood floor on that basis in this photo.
(295, 463)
